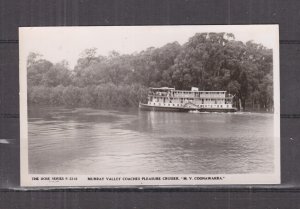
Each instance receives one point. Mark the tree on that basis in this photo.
(32, 58)
(86, 58)
(36, 71)
(56, 75)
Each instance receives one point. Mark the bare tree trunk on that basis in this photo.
(240, 105)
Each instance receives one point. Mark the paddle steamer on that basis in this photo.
(169, 99)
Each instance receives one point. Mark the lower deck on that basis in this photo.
(185, 108)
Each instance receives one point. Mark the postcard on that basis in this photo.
(121, 106)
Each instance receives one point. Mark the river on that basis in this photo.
(93, 141)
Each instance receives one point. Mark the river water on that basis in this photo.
(93, 141)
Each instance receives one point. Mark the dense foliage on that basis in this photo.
(210, 61)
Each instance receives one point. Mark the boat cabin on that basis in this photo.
(169, 97)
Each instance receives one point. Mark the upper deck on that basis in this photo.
(194, 93)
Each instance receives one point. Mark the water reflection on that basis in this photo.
(89, 141)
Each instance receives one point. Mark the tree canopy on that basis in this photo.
(209, 61)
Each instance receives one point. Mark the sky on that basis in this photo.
(66, 43)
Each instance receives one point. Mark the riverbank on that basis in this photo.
(96, 96)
